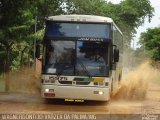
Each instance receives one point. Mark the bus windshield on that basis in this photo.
(91, 56)
(78, 30)
(76, 58)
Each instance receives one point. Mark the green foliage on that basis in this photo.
(47, 8)
(128, 15)
(89, 7)
(134, 12)
(151, 41)
(18, 19)
(15, 64)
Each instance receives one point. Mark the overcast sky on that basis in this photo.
(154, 22)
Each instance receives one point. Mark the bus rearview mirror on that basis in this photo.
(37, 51)
(116, 55)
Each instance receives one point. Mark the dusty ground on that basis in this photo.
(14, 102)
(139, 94)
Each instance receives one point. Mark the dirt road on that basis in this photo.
(143, 83)
(14, 102)
(22, 105)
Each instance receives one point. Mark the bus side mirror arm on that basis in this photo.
(37, 51)
(116, 54)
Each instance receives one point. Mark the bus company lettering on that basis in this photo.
(91, 39)
(58, 78)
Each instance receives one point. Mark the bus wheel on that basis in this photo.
(111, 90)
(48, 100)
(119, 79)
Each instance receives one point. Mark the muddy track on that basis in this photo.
(134, 97)
(14, 102)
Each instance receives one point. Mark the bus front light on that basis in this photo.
(100, 93)
(46, 90)
(49, 90)
(95, 83)
(101, 83)
(47, 81)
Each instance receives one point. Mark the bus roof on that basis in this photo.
(83, 18)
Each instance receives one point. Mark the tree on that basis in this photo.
(132, 15)
(16, 24)
(17, 32)
(128, 14)
(150, 40)
(89, 7)
(17, 19)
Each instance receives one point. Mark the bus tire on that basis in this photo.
(48, 100)
(119, 79)
(111, 90)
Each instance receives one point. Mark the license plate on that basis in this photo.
(49, 94)
(73, 100)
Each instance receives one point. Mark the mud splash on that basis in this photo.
(135, 84)
(25, 81)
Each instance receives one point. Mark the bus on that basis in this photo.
(82, 58)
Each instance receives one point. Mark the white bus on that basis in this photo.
(82, 58)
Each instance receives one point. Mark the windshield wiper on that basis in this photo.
(62, 69)
(60, 72)
(84, 68)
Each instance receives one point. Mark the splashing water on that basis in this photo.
(135, 84)
(25, 81)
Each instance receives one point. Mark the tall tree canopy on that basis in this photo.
(128, 14)
(17, 20)
(150, 41)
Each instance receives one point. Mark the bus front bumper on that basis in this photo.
(76, 92)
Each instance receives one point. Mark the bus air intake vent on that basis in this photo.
(82, 82)
(66, 82)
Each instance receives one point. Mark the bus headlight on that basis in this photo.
(95, 83)
(52, 81)
(98, 83)
(100, 93)
(49, 90)
(101, 83)
(46, 90)
(47, 81)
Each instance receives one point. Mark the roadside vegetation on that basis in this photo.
(150, 41)
(22, 23)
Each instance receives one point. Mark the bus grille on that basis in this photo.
(66, 82)
(75, 82)
(82, 83)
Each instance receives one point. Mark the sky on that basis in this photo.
(155, 22)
